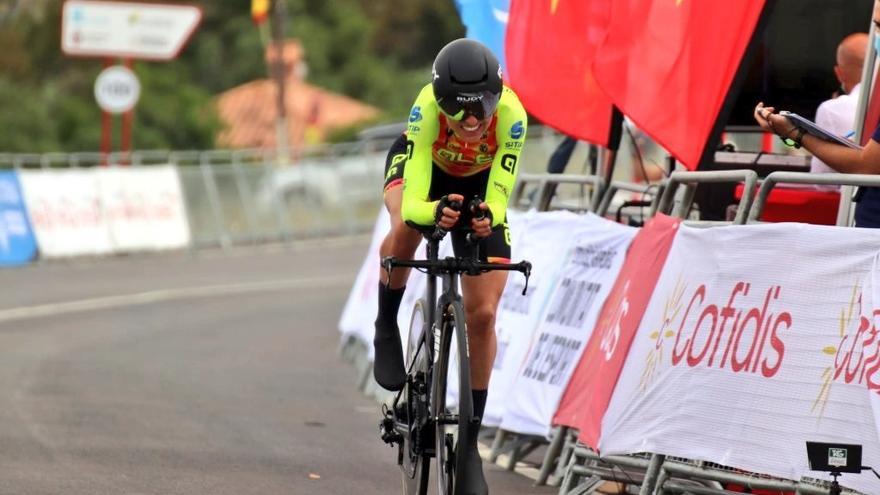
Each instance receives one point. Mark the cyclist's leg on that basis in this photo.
(402, 241)
(482, 295)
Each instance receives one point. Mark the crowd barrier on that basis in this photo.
(700, 360)
(63, 213)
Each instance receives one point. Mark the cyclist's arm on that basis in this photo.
(421, 133)
(510, 132)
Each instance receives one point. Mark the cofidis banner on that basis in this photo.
(592, 384)
(590, 267)
(543, 239)
(17, 243)
(757, 339)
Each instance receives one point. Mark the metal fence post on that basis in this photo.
(214, 200)
(245, 196)
(281, 216)
(651, 474)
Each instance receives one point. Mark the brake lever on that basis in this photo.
(478, 214)
(388, 265)
(527, 272)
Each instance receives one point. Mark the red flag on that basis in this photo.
(549, 47)
(667, 64)
(589, 391)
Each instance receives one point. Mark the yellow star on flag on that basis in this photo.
(553, 5)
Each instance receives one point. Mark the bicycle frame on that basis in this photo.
(440, 309)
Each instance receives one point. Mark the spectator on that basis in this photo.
(837, 156)
(838, 114)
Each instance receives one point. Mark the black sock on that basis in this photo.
(479, 402)
(389, 303)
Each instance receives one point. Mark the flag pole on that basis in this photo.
(615, 133)
(708, 156)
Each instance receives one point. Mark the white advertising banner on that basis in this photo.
(541, 238)
(143, 207)
(756, 340)
(360, 308)
(591, 264)
(105, 210)
(66, 213)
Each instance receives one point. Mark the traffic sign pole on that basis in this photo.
(106, 124)
(124, 30)
(127, 125)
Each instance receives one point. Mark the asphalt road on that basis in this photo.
(215, 373)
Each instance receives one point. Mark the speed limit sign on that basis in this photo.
(117, 89)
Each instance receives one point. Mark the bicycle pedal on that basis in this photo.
(387, 432)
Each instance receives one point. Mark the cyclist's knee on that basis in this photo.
(481, 320)
(403, 238)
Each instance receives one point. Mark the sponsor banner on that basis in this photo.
(106, 210)
(66, 214)
(143, 208)
(592, 383)
(361, 306)
(757, 339)
(543, 240)
(592, 262)
(17, 243)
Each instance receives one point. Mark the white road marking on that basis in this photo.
(154, 296)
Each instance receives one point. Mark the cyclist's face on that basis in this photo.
(469, 129)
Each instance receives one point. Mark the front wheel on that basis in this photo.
(414, 464)
(449, 426)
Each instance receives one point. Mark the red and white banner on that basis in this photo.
(542, 239)
(593, 257)
(756, 340)
(362, 304)
(589, 390)
(107, 210)
(66, 214)
(143, 207)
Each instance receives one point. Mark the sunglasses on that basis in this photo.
(481, 105)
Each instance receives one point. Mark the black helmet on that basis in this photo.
(466, 79)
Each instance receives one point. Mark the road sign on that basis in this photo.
(126, 29)
(117, 89)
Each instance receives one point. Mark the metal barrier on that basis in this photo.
(654, 191)
(544, 192)
(806, 178)
(692, 179)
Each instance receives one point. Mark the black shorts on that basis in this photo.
(496, 247)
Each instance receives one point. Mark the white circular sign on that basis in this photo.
(117, 89)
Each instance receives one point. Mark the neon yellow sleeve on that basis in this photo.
(510, 132)
(421, 132)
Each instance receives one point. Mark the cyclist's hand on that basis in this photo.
(482, 228)
(447, 217)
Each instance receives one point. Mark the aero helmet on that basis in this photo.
(466, 78)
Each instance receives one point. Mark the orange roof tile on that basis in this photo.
(249, 111)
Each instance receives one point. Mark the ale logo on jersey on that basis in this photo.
(415, 115)
(517, 130)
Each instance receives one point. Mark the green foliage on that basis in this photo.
(25, 122)
(378, 51)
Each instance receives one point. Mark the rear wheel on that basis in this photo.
(412, 413)
(450, 426)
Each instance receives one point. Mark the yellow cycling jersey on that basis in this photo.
(430, 142)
